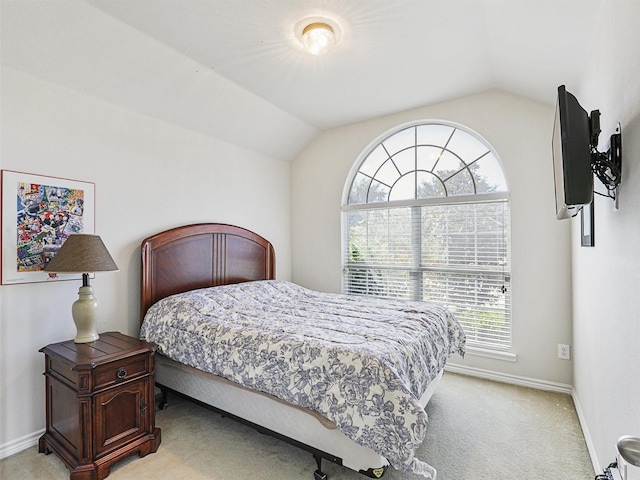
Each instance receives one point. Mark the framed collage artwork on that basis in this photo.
(38, 214)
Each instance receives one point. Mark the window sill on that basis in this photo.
(495, 354)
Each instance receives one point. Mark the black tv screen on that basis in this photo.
(571, 156)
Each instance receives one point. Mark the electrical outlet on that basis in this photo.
(564, 351)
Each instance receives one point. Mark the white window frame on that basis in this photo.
(500, 350)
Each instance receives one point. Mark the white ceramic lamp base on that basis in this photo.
(85, 315)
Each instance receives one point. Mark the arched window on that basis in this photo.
(426, 217)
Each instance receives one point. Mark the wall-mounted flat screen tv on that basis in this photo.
(571, 156)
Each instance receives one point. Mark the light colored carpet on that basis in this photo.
(478, 430)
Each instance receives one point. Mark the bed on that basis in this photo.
(338, 376)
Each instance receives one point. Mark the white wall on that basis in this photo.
(166, 141)
(607, 277)
(149, 176)
(520, 131)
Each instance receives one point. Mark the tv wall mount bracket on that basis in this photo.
(607, 166)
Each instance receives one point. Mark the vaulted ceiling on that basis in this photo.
(392, 55)
(228, 67)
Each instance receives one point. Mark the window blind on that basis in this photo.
(454, 254)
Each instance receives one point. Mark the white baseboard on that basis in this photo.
(19, 444)
(587, 435)
(511, 379)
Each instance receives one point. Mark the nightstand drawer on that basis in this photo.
(122, 371)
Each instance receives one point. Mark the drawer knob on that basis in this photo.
(122, 373)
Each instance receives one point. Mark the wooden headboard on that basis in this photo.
(202, 255)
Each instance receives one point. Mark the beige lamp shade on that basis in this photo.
(82, 253)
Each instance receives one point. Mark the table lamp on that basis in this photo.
(83, 253)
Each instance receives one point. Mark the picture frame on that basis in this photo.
(587, 226)
(38, 213)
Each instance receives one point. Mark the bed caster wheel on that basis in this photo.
(163, 405)
(318, 475)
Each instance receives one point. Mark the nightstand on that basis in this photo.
(100, 403)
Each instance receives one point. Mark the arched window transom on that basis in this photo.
(426, 161)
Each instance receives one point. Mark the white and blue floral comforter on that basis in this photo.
(359, 361)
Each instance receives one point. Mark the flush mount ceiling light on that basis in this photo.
(318, 38)
(317, 35)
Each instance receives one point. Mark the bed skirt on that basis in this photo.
(303, 426)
